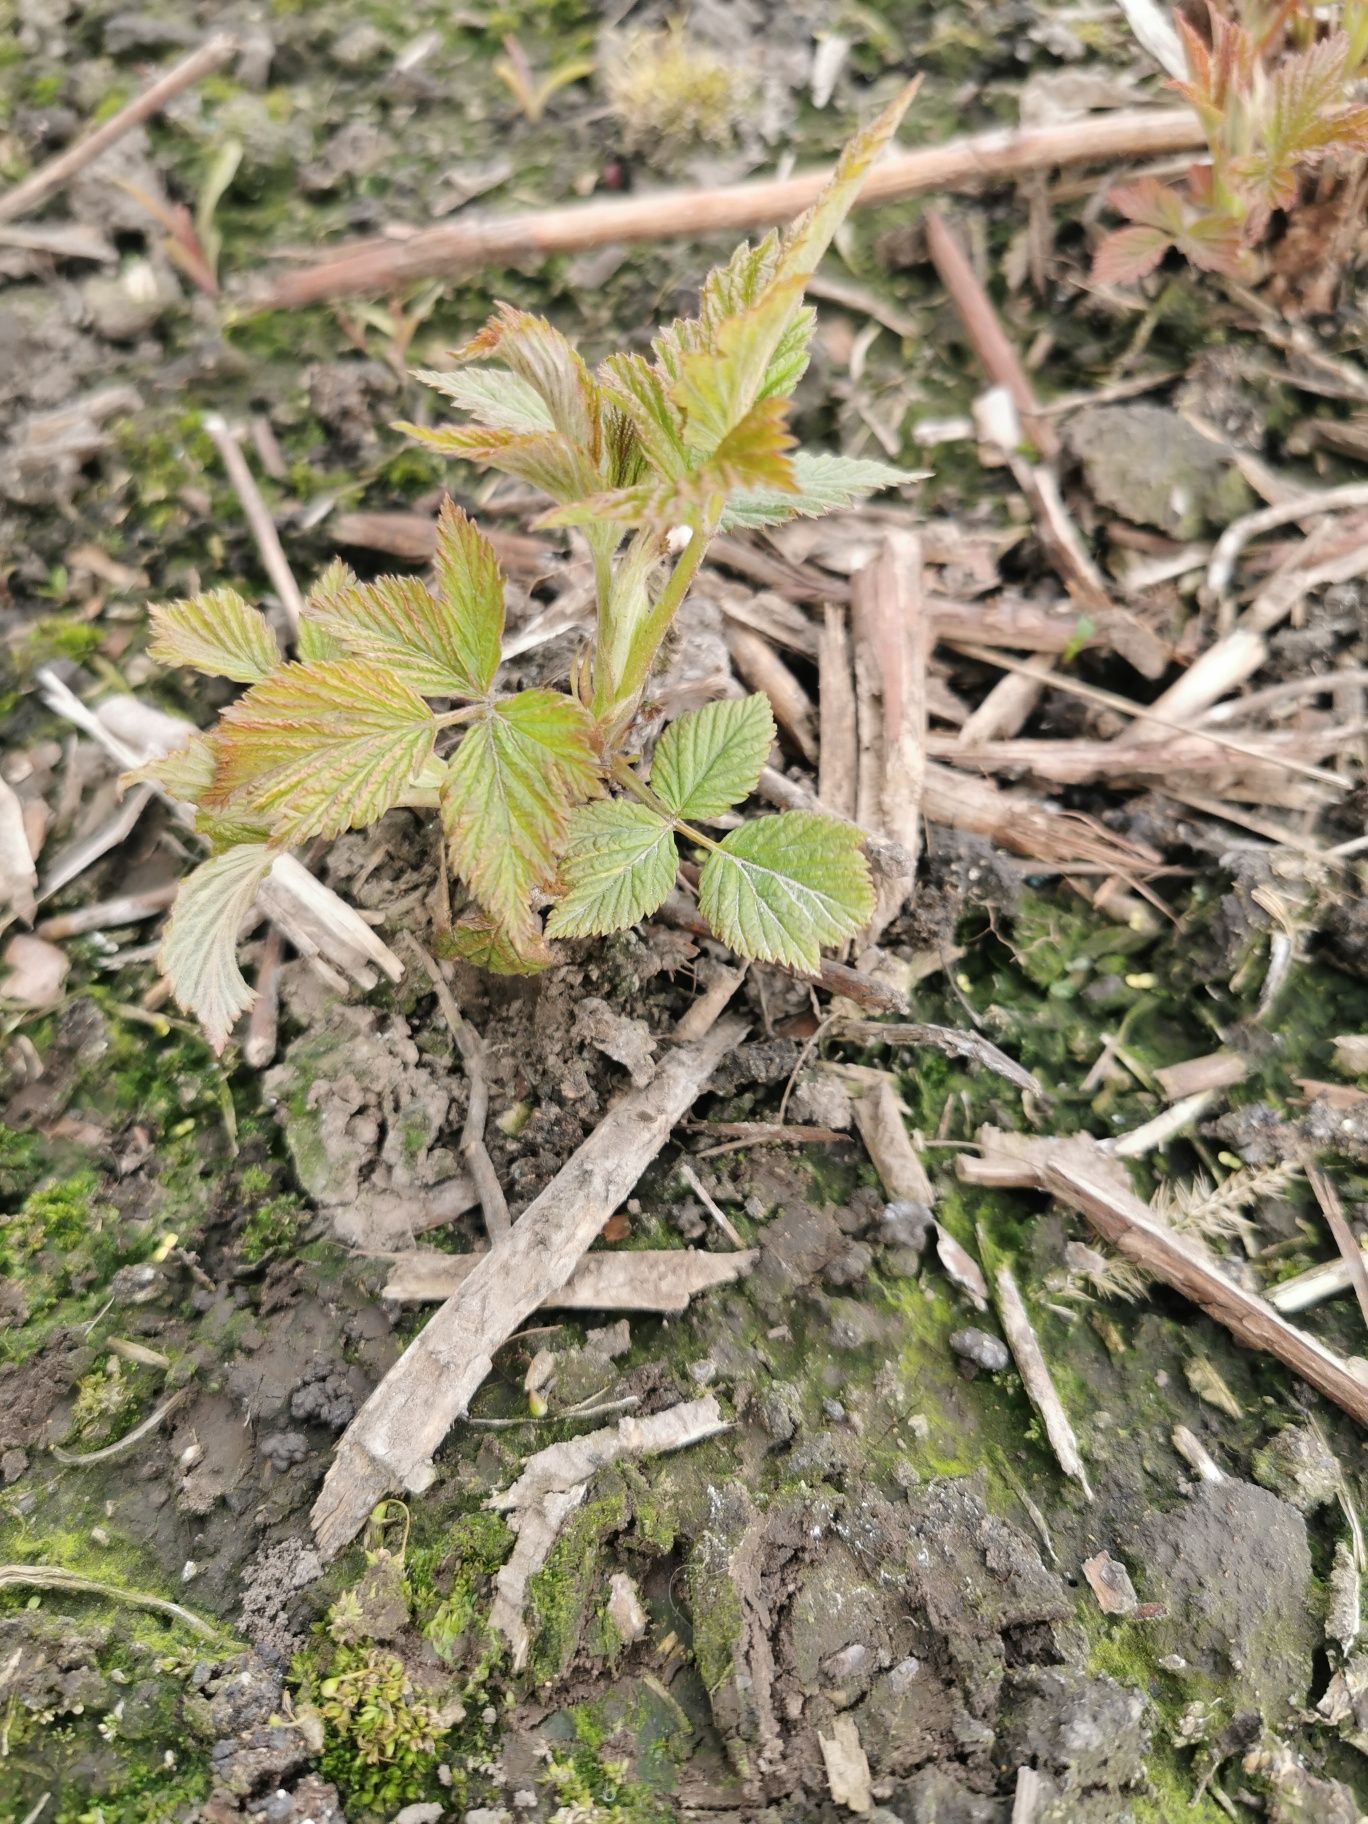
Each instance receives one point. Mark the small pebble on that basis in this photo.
(834, 1411)
(905, 1224)
(982, 1349)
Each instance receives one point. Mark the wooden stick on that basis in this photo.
(263, 1026)
(1037, 1379)
(259, 519)
(377, 266)
(1076, 1171)
(837, 749)
(892, 648)
(987, 338)
(39, 185)
(391, 1441)
(627, 1279)
(1333, 1211)
(473, 1149)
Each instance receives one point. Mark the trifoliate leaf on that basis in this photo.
(199, 951)
(710, 759)
(618, 865)
(321, 748)
(448, 647)
(824, 484)
(495, 398)
(781, 887)
(510, 787)
(480, 941)
(217, 633)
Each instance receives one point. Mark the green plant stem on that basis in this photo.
(637, 788)
(615, 694)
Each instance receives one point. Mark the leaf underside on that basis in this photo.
(198, 954)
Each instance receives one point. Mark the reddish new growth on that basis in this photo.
(1276, 91)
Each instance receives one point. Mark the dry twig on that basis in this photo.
(634, 1279)
(473, 1149)
(39, 185)
(258, 517)
(1035, 1375)
(1352, 1254)
(390, 1442)
(385, 265)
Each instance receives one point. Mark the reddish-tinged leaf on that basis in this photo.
(509, 789)
(217, 633)
(544, 460)
(1129, 254)
(540, 356)
(199, 951)
(480, 941)
(321, 748)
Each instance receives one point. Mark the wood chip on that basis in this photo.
(555, 1481)
(640, 1279)
(839, 747)
(1216, 1070)
(1035, 1375)
(760, 666)
(1109, 1581)
(37, 972)
(847, 1765)
(390, 1442)
(18, 876)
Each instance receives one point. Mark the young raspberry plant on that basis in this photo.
(546, 796)
(1276, 87)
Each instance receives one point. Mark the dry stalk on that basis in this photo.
(390, 1442)
(39, 185)
(386, 265)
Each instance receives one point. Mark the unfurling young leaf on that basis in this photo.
(199, 951)
(509, 789)
(217, 633)
(321, 748)
(315, 642)
(618, 866)
(499, 401)
(448, 647)
(710, 759)
(782, 887)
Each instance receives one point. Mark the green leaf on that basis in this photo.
(439, 649)
(803, 244)
(638, 390)
(314, 642)
(478, 940)
(471, 588)
(544, 459)
(494, 397)
(538, 354)
(825, 484)
(710, 759)
(781, 887)
(321, 748)
(619, 864)
(199, 951)
(509, 789)
(217, 633)
(185, 773)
